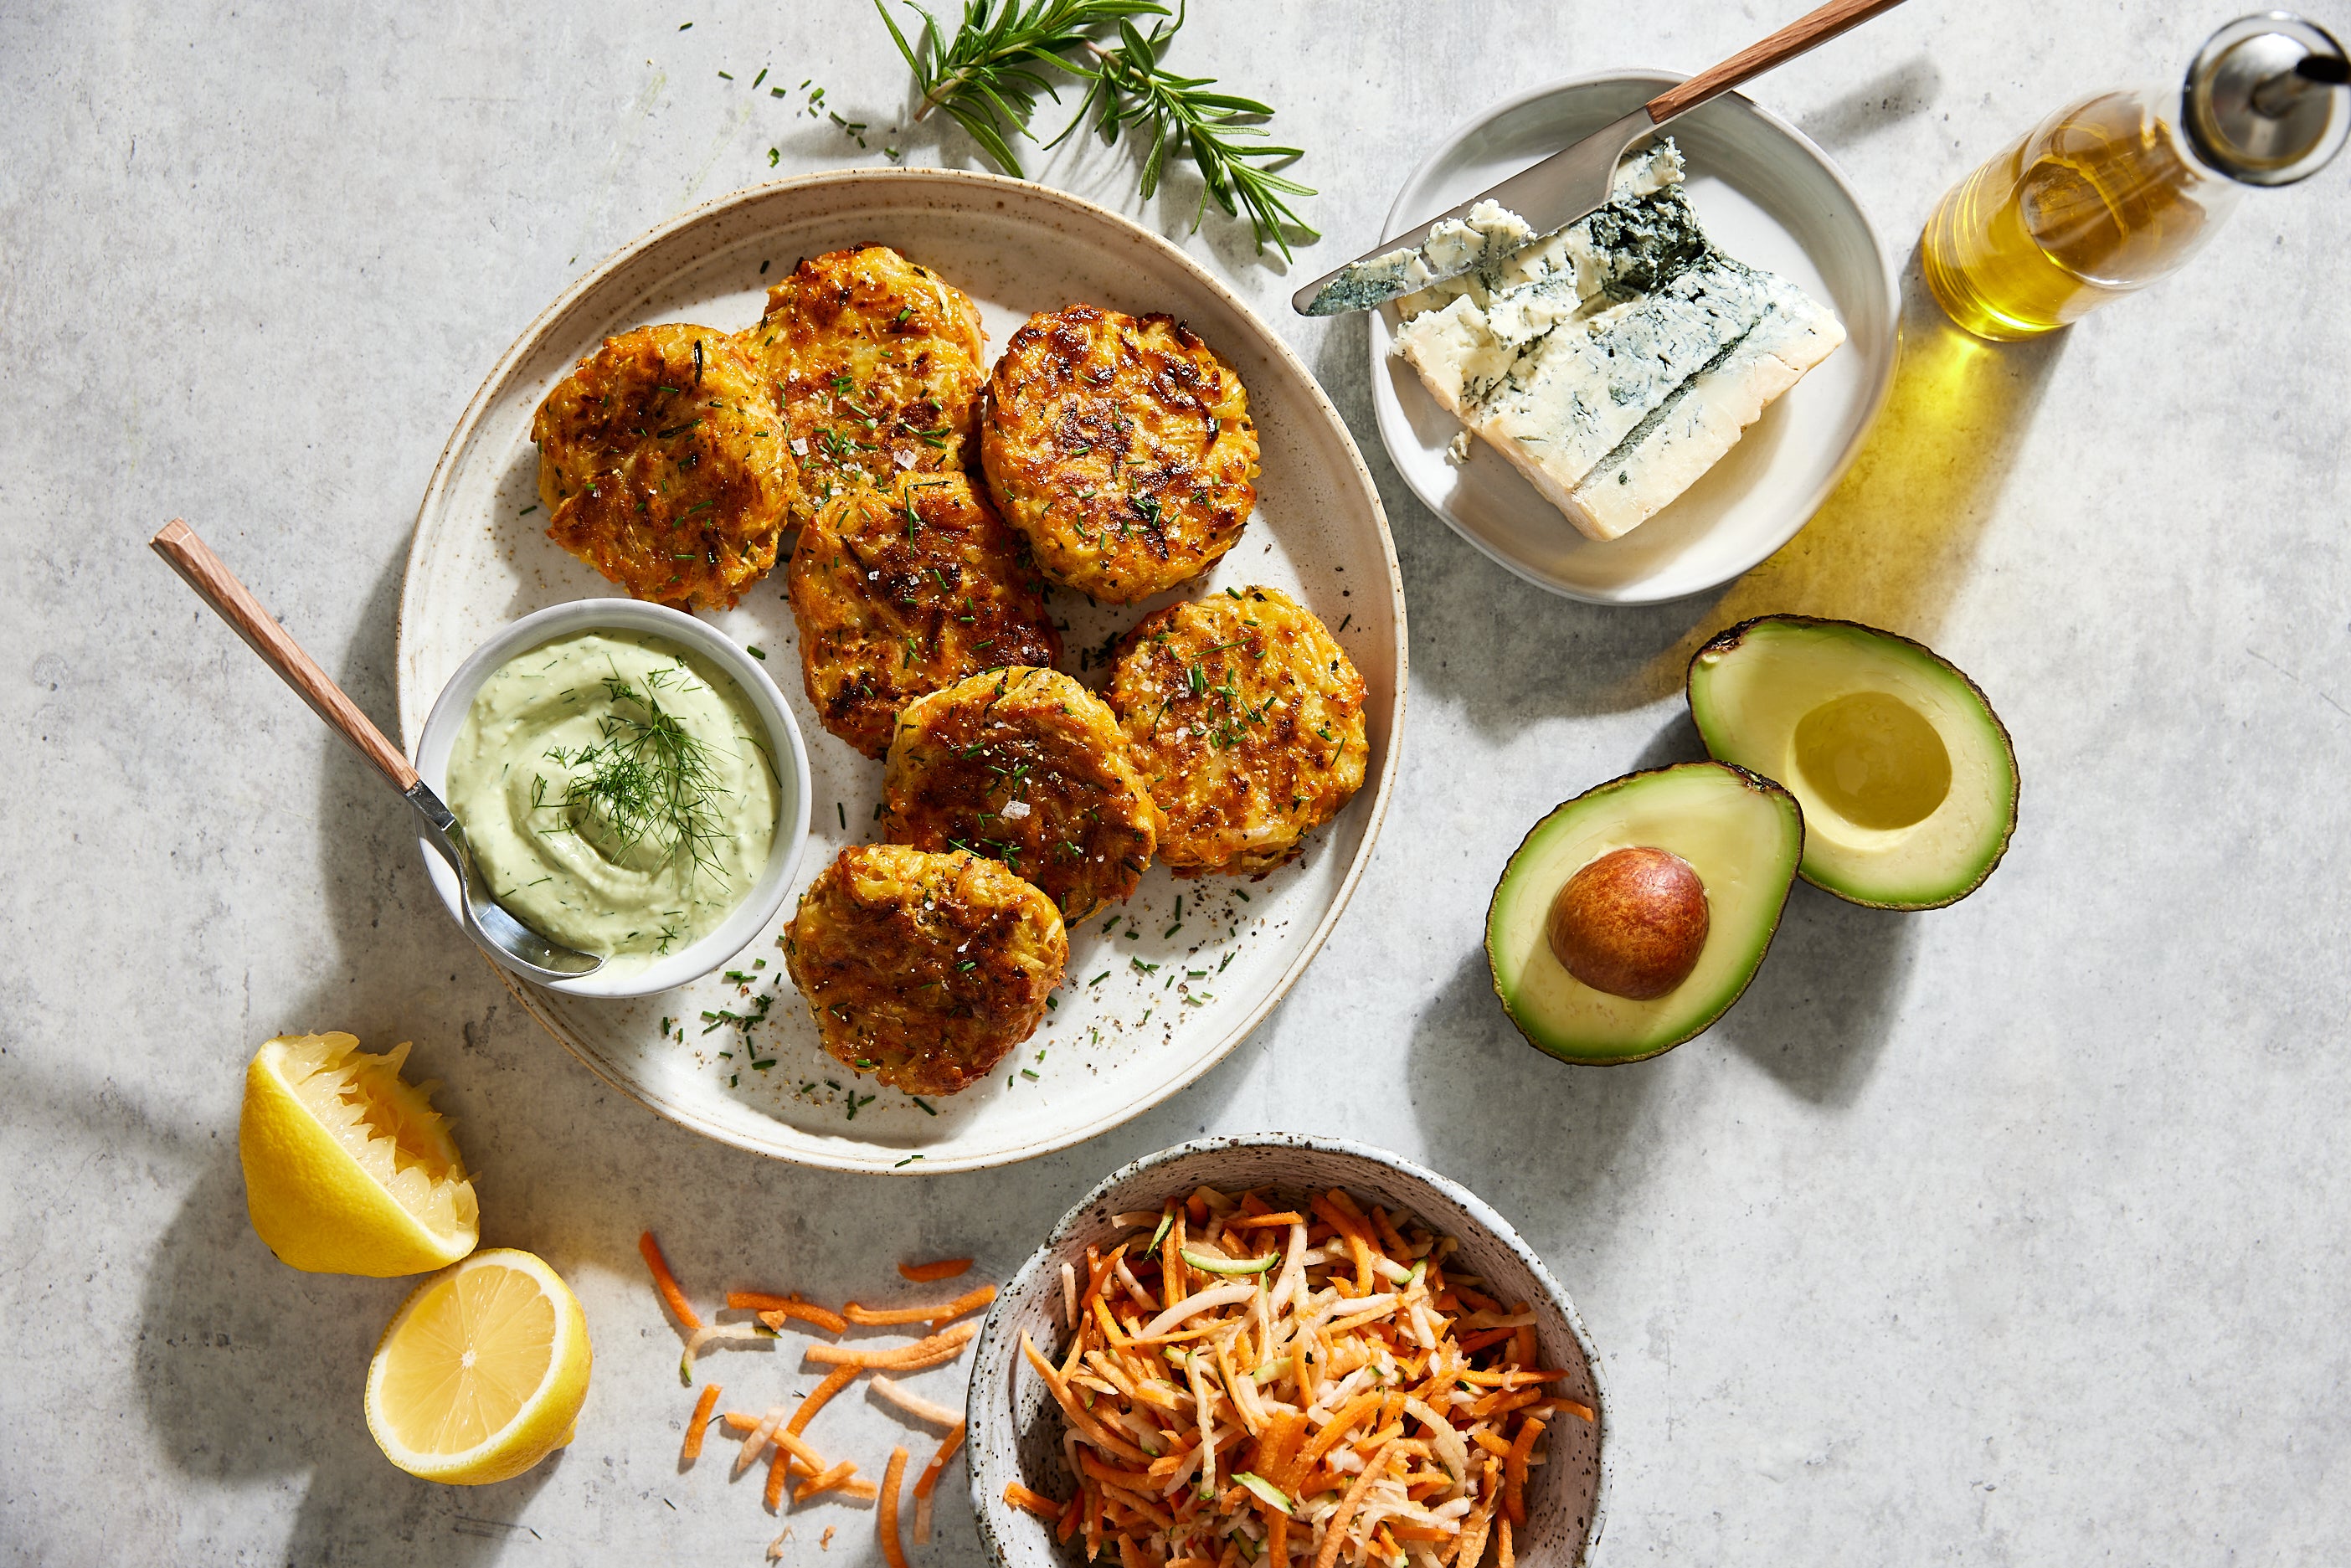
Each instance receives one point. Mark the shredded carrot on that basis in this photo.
(872, 1317)
(886, 1517)
(931, 1472)
(666, 1282)
(1161, 1435)
(830, 1480)
(818, 1397)
(780, 1471)
(1504, 1556)
(774, 1309)
(1322, 1442)
(1334, 1532)
(1514, 1472)
(930, 1351)
(1585, 1411)
(932, 1274)
(698, 1424)
(1043, 1507)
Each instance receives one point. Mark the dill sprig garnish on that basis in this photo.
(649, 784)
(989, 76)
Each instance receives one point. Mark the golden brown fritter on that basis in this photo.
(1122, 448)
(878, 363)
(898, 594)
(664, 464)
(1248, 720)
(924, 969)
(1027, 766)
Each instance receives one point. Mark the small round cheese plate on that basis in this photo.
(1765, 195)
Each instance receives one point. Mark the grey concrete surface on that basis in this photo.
(2009, 1234)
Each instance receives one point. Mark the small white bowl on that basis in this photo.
(1767, 195)
(759, 907)
(1015, 1429)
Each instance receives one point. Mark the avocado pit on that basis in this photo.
(1632, 923)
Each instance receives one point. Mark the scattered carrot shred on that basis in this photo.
(832, 1480)
(886, 1516)
(698, 1424)
(780, 1471)
(932, 1274)
(940, 1347)
(774, 1309)
(946, 1311)
(666, 1282)
(838, 1378)
(947, 1447)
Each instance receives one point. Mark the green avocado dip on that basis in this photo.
(615, 793)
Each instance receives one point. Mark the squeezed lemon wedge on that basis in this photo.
(482, 1373)
(348, 1168)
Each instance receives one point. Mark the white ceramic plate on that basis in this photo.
(1190, 983)
(1767, 196)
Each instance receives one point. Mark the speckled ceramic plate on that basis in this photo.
(1016, 1430)
(1155, 995)
(1766, 196)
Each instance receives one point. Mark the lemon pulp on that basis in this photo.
(482, 1373)
(348, 1168)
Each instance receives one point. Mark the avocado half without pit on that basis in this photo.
(1907, 777)
(1634, 915)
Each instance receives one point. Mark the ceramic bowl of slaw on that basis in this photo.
(1493, 1290)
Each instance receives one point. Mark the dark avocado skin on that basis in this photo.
(1730, 637)
(1755, 782)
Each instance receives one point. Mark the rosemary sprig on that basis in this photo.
(989, 76)
(650, 783)
(987, 79)
(1128, 87)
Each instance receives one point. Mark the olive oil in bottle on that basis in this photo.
(2113, 192)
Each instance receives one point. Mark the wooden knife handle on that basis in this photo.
(218, 587)
(1805, 33)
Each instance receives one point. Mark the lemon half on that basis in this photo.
(482, 1373)
(348, 1168)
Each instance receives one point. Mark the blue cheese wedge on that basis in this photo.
(1615, 362)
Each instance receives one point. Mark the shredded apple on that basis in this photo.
(1261, 1384)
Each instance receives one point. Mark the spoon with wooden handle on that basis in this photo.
(494, 930)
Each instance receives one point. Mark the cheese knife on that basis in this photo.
(1569, 184)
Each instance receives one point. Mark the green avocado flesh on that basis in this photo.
(1907, 780)
(1742, 835)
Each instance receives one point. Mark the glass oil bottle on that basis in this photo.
(2118, 189)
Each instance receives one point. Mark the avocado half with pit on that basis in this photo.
(1907, 777)
(1634, 915)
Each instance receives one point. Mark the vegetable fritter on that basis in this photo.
(901, 592)
(1248, 720)
(1122, 448)
(924, 969)
(878, 363)
(664, 466)
(1027, 766)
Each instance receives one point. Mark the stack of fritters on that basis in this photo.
(934, 501)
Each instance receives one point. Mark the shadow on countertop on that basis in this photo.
(1543, 1137)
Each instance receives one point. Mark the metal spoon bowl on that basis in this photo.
(492, 928)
